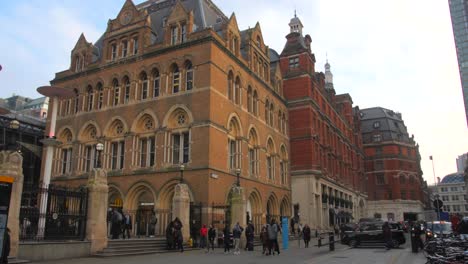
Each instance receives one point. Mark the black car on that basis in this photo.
(371, 232)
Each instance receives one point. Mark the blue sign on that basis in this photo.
(444, 216)
(285, 231)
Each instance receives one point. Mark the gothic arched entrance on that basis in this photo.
(140, 204)
(254, 210)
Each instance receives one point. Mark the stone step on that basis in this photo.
(17, 261)
(139, 252)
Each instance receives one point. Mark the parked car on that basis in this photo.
(371, 232)
(438, 229)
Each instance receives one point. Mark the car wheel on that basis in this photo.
(353, 243)
(395, 243)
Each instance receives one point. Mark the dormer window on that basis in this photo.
(77, 63)
(135, 46)
(173, 35)
(113, 52)
(377, 124)
(124, 48)
(258, 41)
(294, 62)
(183, 37)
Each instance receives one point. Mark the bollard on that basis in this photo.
(332, 241)
(414, 242)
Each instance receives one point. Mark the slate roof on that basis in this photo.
(294, 45)
(391, 125)
(454, 178)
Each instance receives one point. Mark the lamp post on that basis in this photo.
(238, 171)
(182, 168)
(54, 93)
(99, 149)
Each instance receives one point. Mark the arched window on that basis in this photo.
(237, 91)
(230, 91)
(258, 41)
(100, 95)
(270, 160)
(116, 91)
(249, 100)
(267, 112)
(284, 165)
(284, 124)
(126, 83)
(144, 85)
(272, 112)
(175, 78)
(156, 83)
(124, 48)
(78, 63)
(188, 76)
(279, 122)
(113, 51)
(174, 34)
(255, 103)
(77, 100)
(90, 98)
(234, 144)
(253, 153)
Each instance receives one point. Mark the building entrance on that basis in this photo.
(144, 222)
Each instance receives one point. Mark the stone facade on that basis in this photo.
(326, 146)
(168, 85)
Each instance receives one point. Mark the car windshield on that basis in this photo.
(446, 227)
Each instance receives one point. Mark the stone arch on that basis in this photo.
(272, 208)
(283, 153)
(255, 209)
(65, 135)
(113, 77)
(234, 125)
(116, 127)
(145, 121)
(270, 145)
(90, 131)
(252, 136)
(116, 197)
(172, 113)
(139, 190)
(285, 207)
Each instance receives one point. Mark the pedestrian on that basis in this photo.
(203, 235)
(306, 235)
(6, 247)
(264, 239)
(211, 238)
(170, 236)
(109, 221)
(227, 238)
(249, 235)
(116, 224)
(293, 225)
(153, 222)
(387, 234)
(299, 234)
(127, 225)
(462, 228)
(273, 230)
(178, 237)
(236, 234)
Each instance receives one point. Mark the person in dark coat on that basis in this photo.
(170, 236)
(264, 239)
(116, 224)
(211, 238)
(227, 239)
(127, 225)
(178, 238)
(249, 235)
(6, 247)
(306, 235)
(387, 234)
(462, 228)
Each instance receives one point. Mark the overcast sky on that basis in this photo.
(396, 54)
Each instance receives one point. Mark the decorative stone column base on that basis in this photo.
(96, 226)
(181, 208)
(239, 210)
(11, 164)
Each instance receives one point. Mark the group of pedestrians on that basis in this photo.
(120, 223)
(174, 237)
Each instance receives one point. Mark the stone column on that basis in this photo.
(181, 208)
(96, 226)
(238, 210)
(11, 165)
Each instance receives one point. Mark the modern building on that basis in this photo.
(327, 168)
(452, 192)
(395, 185)
(461, 162)
(174, 83)
(36, 108)
(459, 14)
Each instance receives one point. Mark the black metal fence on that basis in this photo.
(64, 219)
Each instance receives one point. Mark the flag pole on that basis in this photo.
(435, 184)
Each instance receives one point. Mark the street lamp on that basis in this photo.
(182, 168)
(238, 171)
(99, 149)
(14, 124)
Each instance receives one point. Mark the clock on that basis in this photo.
(126, 17)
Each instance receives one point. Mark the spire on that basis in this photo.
(295, 24)
(328, 76)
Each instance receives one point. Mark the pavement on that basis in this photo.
(295, 254)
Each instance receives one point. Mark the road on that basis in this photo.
(294, 254)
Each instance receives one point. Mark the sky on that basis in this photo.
(395, 54)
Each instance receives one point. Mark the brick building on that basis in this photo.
(395, 185)
(174, 83)
(325, 138)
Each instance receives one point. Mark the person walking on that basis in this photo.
(127, 225)
(227, 238)
(462, 228)
(6, 247)
(178, 237)
(236, 234)
(203, 235)
(387, 234)
(306, 233)
(211, 238)
(299, 234)
(264, 238)
(170, 236)
(249, 235)
(116, 224)
(273, 230)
